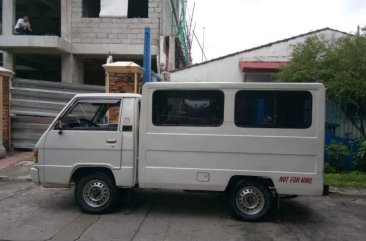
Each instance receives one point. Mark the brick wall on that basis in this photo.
(122, 83)
(5, 115)
(115, 30)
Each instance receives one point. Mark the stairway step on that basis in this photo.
(19, 111)
(32, 126)
(19, 119)
(42, 95)
(23, 144)
(27, 134)
(36, 105)
(41, 84)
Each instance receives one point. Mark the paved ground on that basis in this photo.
(29, 212)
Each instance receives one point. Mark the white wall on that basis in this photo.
(227, 69)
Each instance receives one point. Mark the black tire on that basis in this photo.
(96, 193)
(250, 200)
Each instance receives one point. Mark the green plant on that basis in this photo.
(359, 160)
(328, 168)
(351, 179)
(340, 66)
(336, 152)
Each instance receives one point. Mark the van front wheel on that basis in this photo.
(250, 200)
(96, 193)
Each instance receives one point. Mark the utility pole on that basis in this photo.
(363, 30)
(203, 42)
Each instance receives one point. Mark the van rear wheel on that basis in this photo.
(96, 193)
(250, 200)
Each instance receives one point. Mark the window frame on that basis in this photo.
(133, 10)
(220, 98)
(84, 10)
(274, 125)
(91, 101)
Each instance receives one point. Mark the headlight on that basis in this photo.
(35, 155)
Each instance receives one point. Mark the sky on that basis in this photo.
(234, 25)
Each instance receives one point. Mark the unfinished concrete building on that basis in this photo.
(72, 38)
(70, 41)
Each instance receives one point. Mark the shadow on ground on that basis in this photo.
(208, 205)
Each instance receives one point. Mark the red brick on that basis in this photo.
(5, 113)
(121, 83)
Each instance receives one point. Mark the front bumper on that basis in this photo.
(34, 172)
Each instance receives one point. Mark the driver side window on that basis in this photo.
(92, 115)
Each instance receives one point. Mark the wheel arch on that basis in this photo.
(262, 179)
(81, 171)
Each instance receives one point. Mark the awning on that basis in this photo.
(261, 66)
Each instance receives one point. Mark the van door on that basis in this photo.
(87, 134)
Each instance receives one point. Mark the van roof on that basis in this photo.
(233, 85)
(209, 85)
(106, 95)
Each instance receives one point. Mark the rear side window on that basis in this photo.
(273, 109)
(188, 108)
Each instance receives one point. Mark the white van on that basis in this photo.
(253, 141)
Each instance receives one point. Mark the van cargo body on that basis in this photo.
(252, 141)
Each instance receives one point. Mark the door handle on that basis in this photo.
(111, 141)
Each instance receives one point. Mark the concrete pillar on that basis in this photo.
(8, 17)
(171, 58)
(8, 60)
(162, 57)
(66, 19)
(72, 69)
(5, 79)
(78, 71)
(8, 24)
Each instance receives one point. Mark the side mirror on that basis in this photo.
(59, 127)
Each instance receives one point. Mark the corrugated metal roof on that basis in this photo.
(262, 46)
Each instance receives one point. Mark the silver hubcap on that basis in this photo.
(250, 200)
(96, 193)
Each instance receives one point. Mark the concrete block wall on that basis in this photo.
(169, 25)
(115, 30)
